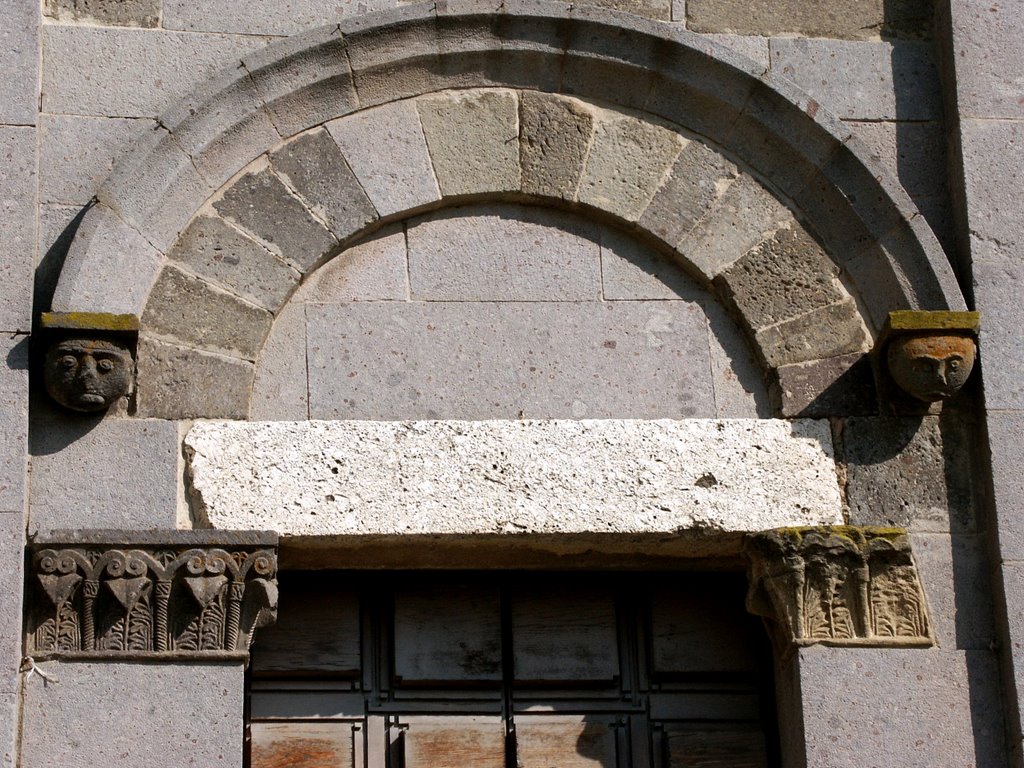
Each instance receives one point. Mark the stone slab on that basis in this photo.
(912, 473)
(863, 80)
(632, 271)
(893, 708)
(85, 716)
(279, 390)
(96, 472)
(503, 253)
(372, 139)
(114, 13)
(914, 153)
(993, 158)
(508, 477)
(853, 19)
(997, 273)
(475, 360)
(754, 47)
(12, 559)
(835, 386)
(374, 269)
(827, 332)
(554, 136)
(989, 67)
(14, 382)
(261, 18)
(57, 226)
(17, 225)
(78, 153)
(1006, 447)
(737, 377)
(162, 67)
(19, 60)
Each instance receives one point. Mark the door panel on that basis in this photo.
(453, 742)
(558, 742)
(303, 745)
(718, 748)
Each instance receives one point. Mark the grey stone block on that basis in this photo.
(115, 13)
(631, 271)
(315, 168)
(554, 136)
(827, 332)
(164, 66)
(781, 278)
(374, 269)
(89, 718)
(473, 141)
(508, 360)
(10, 706)
(217, 252)
(96, 472)
(924, 707)
(698, 178)
(372, 139)
(196, 314)
(993, 158)
(628, 160)
(19, 57)
(262, 18)
(989, 68)
(909, 472)
(914, 153)
(1012, 574)
(279, 390)
(997, 274)
(17, 225)
(754, 47)
(874, 280)
(305, 81)
(110, 267)
(739, 220)
(652, 9)
(12, 558)
(13, 421)
(863, 80)
(181, 383)
(503, 253)
(262, 205)
(738, 380)
(78, 153)
(57, 226)
(1006, 448)
(835, 386)
(954, 572)
(155, 188)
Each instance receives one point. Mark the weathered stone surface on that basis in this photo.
(110, 267)
(739, 381)
(828, 332)
(170, 63)
(262, 205)
(652, 9)
(215, 251)
(94, 472)
(14, 366)
(783, 277)
(17, 225)
(1005, 431)
(865, 81)
(554, 137)
(997, 273)
(472, 139)
(835, 386)
(913, 152)
(57, 227)
(699, 177)
(261, 19)
(954, 571)
(314, 167)
(377, 360)
(989, 68)
(853, 19)
(279, 385)
(993, 156)
(509, 477)
(754, 47)
(934, 707)
(90, 703)
(196, 314)
(503, 253)
(910, 472)
(12, 556)
(374, 269)
(19, 57)
(78, 153)
(739, 220)
(119, 13)
(628, 161)
(372, 140)
(632, 271)
(181, 383)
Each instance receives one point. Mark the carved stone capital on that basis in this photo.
(930, 355)
(839, 585)
(175, 593)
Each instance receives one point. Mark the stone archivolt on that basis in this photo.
(837, 586)
(183, 596)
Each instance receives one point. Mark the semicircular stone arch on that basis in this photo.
(752, 187)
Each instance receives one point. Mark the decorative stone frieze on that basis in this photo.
(116, 593)
(930, 355)
(840, 585)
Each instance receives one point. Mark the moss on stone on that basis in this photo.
(89, 321)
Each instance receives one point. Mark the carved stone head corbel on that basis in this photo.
(930, 355)
(89, 363)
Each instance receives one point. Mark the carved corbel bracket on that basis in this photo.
(112, 594)
(90, 362)
(840, 585)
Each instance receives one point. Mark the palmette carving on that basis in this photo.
(141, 600)
(838, 586)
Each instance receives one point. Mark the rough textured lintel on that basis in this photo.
(170, 538)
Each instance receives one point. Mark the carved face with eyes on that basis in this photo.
(88, 374)
(932, 368)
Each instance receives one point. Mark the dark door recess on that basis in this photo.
(480, 670)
